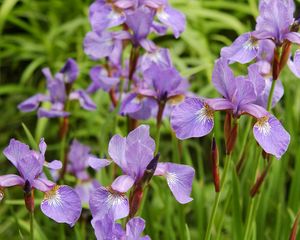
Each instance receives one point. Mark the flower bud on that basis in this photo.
(28, 197)
(135, 200)
(259, 181)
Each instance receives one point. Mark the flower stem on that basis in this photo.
(161, 108)
(271, 95)
(31, 215)
(251, 207)
(217, 198)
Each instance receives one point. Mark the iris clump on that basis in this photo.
(131, 164)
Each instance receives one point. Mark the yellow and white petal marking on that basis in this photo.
(172, 178)
(263, 125)
(162, 14)
(205, 114)
(251, 44)
(114, 198)
(53, 197)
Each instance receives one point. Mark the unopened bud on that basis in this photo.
(285, 54)
(215, 164)
(293, 234)
(276, 64)
(28, 197)
(150, 170)
(231, 138)
(259, 181)
(135, 200)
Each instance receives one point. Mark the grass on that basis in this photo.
(39, 33)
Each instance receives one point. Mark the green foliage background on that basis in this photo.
(39, 33)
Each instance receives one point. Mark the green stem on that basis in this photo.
(217, 198)
(161, 107)
(31, 215)
(271, 95)
(251, 207)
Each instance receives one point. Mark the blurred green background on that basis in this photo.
(39, 33)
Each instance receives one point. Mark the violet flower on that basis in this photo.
(162, 85)
(133, 154)
(294, 64)
(194, 117)
(167, 15)
(275, 22)
(104, 14)
(59, 92)
(141, 28)
(106, 228)
(61, 203)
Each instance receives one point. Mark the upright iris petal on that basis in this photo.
(62, 204)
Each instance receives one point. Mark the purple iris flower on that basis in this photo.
(61, 203)
(79, 159)
(275, 22)
(59, 92)
(105, 14)
(167, 15)
(133, 154)
(101, 79)
(194, 117)
(98, 45)
(141, 28)
(162, 84)
(106, 228)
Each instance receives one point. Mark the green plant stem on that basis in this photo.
(251, 207)
(217, 198)
(271, 95)
(31, 216)
(161, 108)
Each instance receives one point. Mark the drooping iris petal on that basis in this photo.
(42, 184)
(15, 151)
(116, 150)
(98, 46)
(122, 183)
(10, 180)
(32, 103)
(243, 50)
(192, 118)
(223, 79)
(84, 99)
(134, 228)
(98, 163)
(62, 204)
(271, 135)
(70, 71)
(107, 201)
(160, 57)
(173, 19)
(141, 135)
(179, 178)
